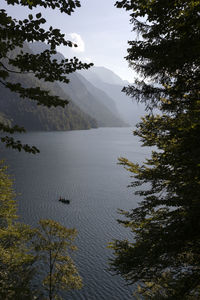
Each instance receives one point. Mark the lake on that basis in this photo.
(81, 166)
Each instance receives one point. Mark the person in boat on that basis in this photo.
(64, 200)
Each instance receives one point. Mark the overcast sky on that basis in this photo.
(100, 29)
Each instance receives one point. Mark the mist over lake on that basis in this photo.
(80, 166)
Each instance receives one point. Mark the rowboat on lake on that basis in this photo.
(63, 200)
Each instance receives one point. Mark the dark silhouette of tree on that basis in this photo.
(14, 59)
(163, 257)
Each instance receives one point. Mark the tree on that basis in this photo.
(163, 257)
(25, 250)
(16, 259)
(53, 244)
(13, 36)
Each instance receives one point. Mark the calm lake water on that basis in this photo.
(81, 166)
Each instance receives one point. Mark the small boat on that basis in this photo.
(63, 200)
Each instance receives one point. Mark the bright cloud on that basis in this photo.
(77, 39)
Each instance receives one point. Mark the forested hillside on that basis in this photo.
(34, 117)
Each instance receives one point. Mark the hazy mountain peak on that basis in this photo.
(104, 74)
(106, 80)
(90, 95)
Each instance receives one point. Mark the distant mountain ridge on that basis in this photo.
(87, 97)
(95, 99)
(128, 109)
(104, 74)
(100, 94)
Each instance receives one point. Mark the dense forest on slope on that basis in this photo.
(33, 117)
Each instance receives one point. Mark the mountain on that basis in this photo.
(87, 97)
(33, 117)
(128, 109)
(105, 75)
(92, 101)
(100, 95)
(27, 113)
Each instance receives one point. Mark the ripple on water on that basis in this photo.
(81, 166)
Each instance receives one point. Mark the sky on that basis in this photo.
(99, 28)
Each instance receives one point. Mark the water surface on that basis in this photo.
(81, 166)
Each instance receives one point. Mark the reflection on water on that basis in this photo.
(81, 166)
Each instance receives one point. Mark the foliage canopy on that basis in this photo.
(16, 260)
(14, 59)
(35, 263)
(163, 257)
(53, 245)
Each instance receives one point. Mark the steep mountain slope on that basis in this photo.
(91, 102)
(100, 95)
(33, 117)
(90, 99)
(129, 110)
